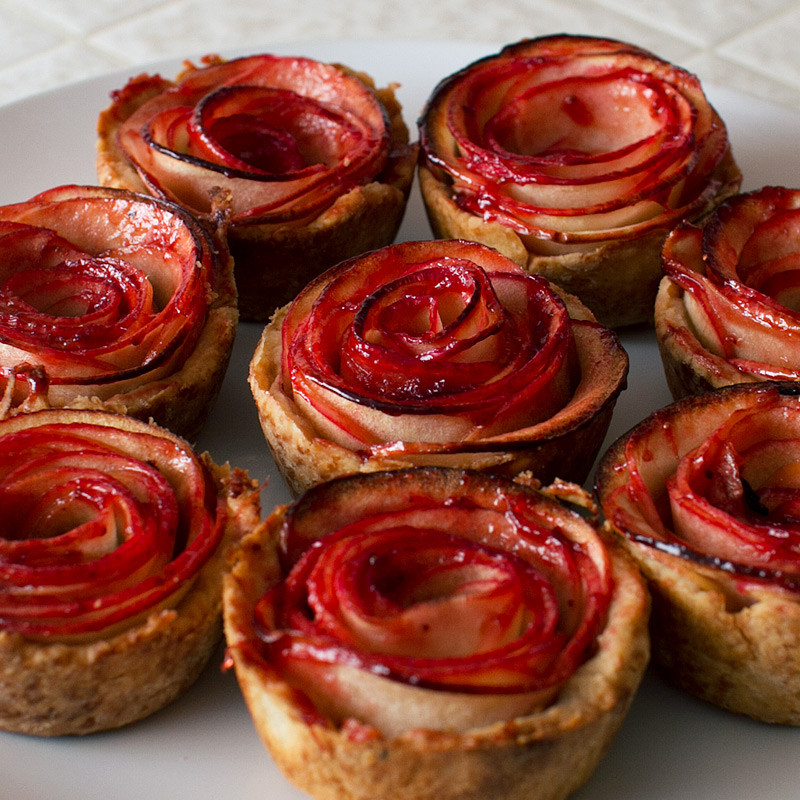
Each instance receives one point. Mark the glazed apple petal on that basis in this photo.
(424, 342)
(100, 524)
(714, 479)
(451, 586)
(100, 288)
(413, 595)
(284, 136)
(622, 142)
(740, 281)
(741, 514)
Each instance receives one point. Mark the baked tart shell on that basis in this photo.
(60, 688)
(545, 755)
(564, 447)
(736, 651)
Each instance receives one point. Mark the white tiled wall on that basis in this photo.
(748, 45)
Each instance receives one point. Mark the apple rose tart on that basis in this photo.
(728, 308)
(441, 353)
(575, 156)
(309, 163)
(434, 633)
(114, 537)
(112, 299)
(705, 493)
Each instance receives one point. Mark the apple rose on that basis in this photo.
(706, 494)
(728, 310)
(434, 633)
(309, 162)
(575, 156)
(116, 299)
(434, 352)
(114, 536)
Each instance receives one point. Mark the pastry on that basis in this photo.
(307, 163)
(704, 494)
(728, 308)
(114, 537)
(434, 633)
(442, 352)
(112, 300)
(575, 156)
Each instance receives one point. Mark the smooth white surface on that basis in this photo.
(203, 746)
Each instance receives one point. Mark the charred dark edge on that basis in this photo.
(788, 581)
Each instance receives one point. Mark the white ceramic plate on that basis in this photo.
(204, 747)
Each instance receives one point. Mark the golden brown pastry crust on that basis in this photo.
(57, 688)
(545, 755)
(743, 659)
(617, 280)
(562, 447)
(273, 262)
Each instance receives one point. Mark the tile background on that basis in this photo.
(747, 45)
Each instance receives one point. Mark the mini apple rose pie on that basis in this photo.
(706, 495)
(728, 308)
(114, 537)
(112, 299)
(442, 353)
(434, 633)
(308, 162)
(575, 156)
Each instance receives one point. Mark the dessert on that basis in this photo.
(434, 633)
(728, 308)
(575, 156)
(307, 163)
(114, 537)
(442, 352)
(704, 495)
(112, 300)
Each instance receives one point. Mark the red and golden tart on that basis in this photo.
(308, 163)
(442, 352)
(114, 537)
(575, 156)
(728, 308)
(434, 633)
(706, 495)
(116, 300)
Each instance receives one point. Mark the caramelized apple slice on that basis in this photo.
(728, 310)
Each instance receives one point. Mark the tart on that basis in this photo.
(575, 156)
(112, 300)
(704, 495)
(434, 352)
(434, 633)
(307, 163)
(728, 308)
(115, 536)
